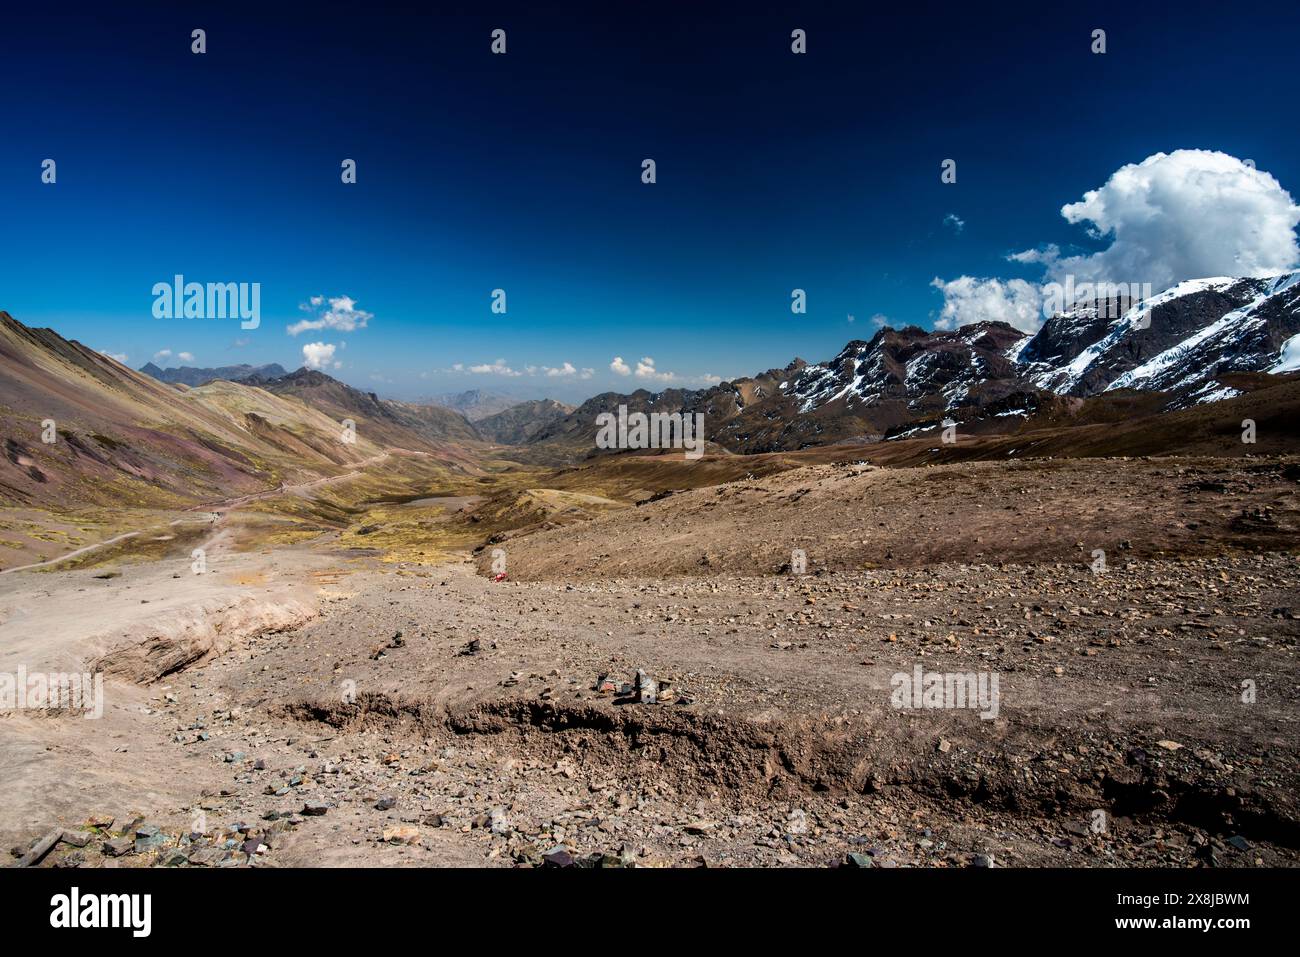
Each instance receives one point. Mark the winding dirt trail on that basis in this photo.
(220, 510)
(104, 544)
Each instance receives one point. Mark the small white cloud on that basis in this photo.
(645, 369)
(880, 320)
(586, 373)
(954, 222)
(567, 369)
(619, 366)
(319, 355)
(115, 356)
(342, 315)
(1044, 256)
(165, 354)
(496, 368)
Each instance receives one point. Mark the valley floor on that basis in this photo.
(312, 705)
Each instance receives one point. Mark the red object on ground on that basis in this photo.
(499, 578)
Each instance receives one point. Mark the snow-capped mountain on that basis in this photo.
(906, 381)
(923, 371)
(1176, 342)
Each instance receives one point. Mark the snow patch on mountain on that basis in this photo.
(1136, 318)
(1289, 358)
(904, 380)
(1222, 346)
(1017, 349)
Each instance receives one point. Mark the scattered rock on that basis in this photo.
(76, 838)
(148, 838)
(647, 691)
(40, 848)
(402, 834)
(119, 846)
(558, 857)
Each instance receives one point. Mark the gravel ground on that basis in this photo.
(1145, 714)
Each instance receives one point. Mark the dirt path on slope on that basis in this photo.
(220, 510)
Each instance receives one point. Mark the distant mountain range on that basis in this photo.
(496, 417)
(474, 404)
(436, 421)
(387, 422)
(127, 436)
(989, 375)
(123, 437)
(520, 424)
(190, 375)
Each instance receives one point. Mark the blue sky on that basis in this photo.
(523, 172)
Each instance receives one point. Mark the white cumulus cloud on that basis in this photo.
(319, 355)
(338, 312)
(619, 366)
(1189, 214)
(967, 299)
